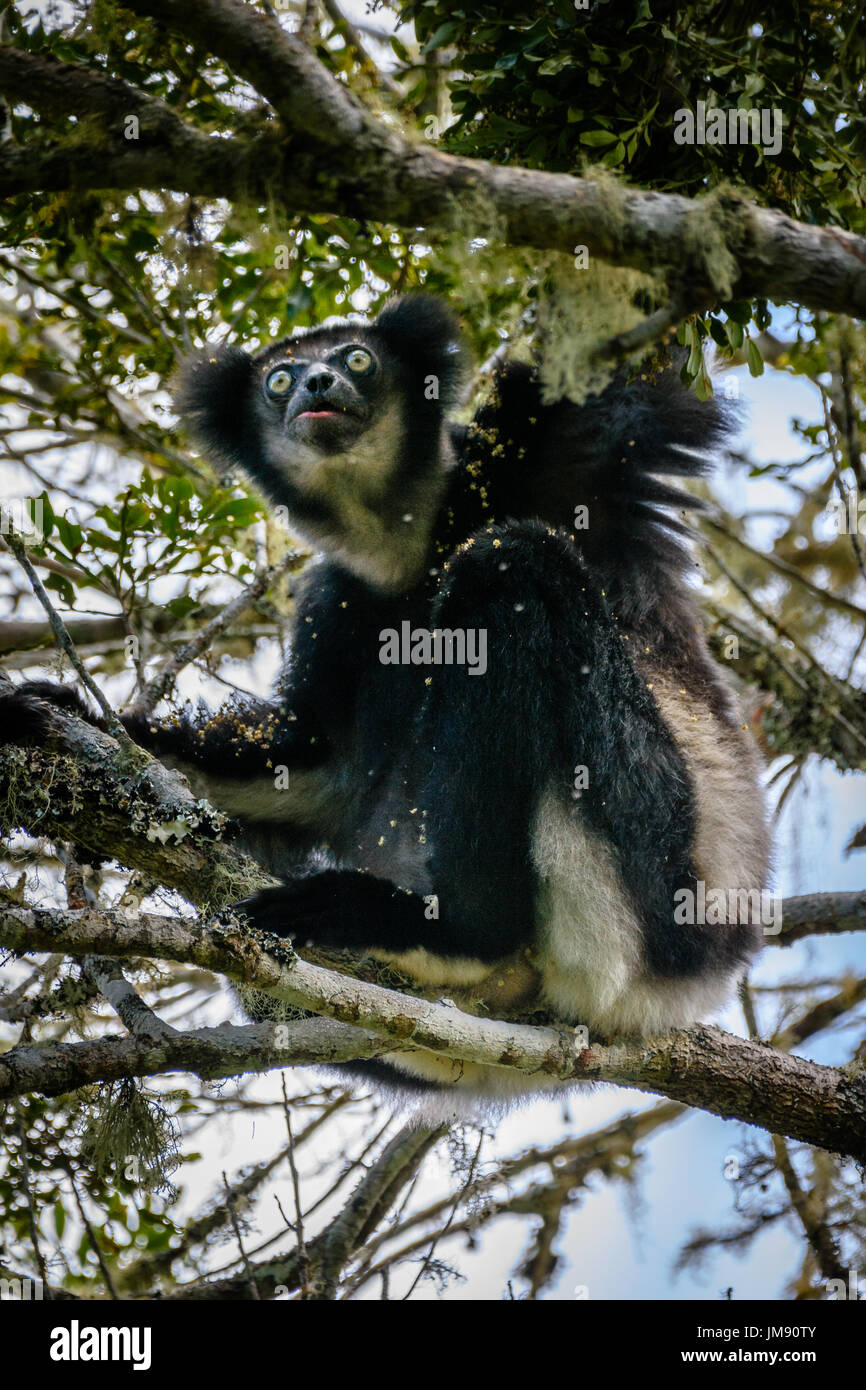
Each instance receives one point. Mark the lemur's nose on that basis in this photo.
(318, 380)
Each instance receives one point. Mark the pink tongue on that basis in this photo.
(317, 414)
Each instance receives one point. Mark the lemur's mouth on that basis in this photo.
(329, 428)
(323, 423)
(328, 412)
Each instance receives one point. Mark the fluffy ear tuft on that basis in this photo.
(423, 333)
(212, 396)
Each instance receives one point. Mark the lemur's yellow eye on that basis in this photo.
(279, 382)
(359, 360)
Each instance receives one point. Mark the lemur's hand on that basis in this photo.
(25, 710)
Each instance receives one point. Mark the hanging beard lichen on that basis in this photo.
(264, 1008)
(550, 308)
(130, 1135)
(578, 311)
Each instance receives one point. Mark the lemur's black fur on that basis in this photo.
(414, 789)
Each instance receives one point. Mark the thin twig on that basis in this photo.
(31, 1205)
(835, 455)
(646, 333)
(455, 1206)
(158, 688)
(789, 571)
(355, 41)
(91, 1236)
(303, 1258)
(230, 1203)
(65, 644)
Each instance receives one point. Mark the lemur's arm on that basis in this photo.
(247, 736)
(241, 739)
(261, 763)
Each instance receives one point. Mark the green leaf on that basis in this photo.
(70, 533)
(703, 385)
(754, 359)
(182, 605)
(440, 37)
(61, 585)
(598, 137)
(241, 510)
(736, 334)
(41, 504)
(59, 1218)
(696, 356)
(551, 66)
(738, 309)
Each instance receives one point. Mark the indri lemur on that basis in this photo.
(554, 887)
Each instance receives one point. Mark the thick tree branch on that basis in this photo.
(337, 157)
(69, 89)
(283, 68)
(54, 1068)
(820, 914)
(700, 1066)
(135, 1015)
(144, 816)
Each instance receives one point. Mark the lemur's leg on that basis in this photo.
(559, 692)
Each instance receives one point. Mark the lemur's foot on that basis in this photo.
(338, 908)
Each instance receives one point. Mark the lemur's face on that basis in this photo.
(344, 426)
(320, 393)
